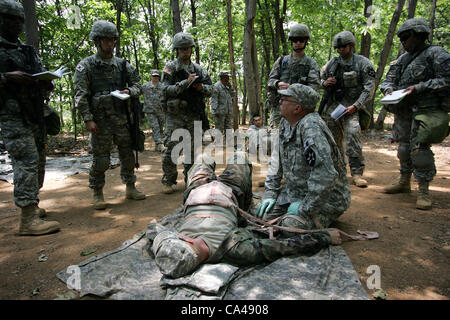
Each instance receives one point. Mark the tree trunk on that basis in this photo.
(278, 28)
(366, 38)
(251, 76)
(149, 15)
(383, 59)
(194, 24)
(118, 23)
(31, 24)
(232, 66)
(286, 48)
(133, 42)
(176, 17)
(433, 13)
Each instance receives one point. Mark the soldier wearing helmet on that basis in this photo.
(222, 103)
(153, 98)
(186, 85)
(22, 111)
(421, 118)
(104, 115)
(348, 80)
(294, 68)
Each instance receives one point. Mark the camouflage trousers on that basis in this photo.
(169, 167)
(414, 157)
(221, 233)
(347, 130)
(156, 122)
(114, 128)
(275, 118)
(223, 122)
(26, 148)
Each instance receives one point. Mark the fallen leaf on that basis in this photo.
(380, 294)
(35, 292)
(42, 258)
(87, 252)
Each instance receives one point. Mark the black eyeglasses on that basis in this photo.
(299, 39)
(404, 36)
(286, 99)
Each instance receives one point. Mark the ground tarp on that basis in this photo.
(130, 272)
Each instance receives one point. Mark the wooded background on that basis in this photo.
(245, 37)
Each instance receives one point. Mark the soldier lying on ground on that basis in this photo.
(213, 229)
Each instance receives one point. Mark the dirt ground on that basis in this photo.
(412, 252)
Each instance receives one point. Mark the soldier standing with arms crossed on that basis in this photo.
(22, 118)
(104, 115)
(294, 68)
(153, 97)
(222, 103)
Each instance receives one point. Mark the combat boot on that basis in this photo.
(403, 185)
(32, 225)
(167, 189)
(359, 181)
(41, 212)
(132, 193)
(424, 198)
(99, 200)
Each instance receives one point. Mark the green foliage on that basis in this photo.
(65, 43)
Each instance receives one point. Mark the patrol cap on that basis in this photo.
(155, 73)
(306, 96)
(299, 30)
(418, 25)
(183, 40)
(103, 28)
(343, 38)
(12, 8)
(174, 257)
(224, 73)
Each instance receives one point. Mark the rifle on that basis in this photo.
(337, 89)
(137, 135)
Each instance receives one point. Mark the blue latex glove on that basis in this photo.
(293, 208)
(265, 206)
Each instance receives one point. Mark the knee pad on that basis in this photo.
(101, 164)
(423, 159)
(403, 152)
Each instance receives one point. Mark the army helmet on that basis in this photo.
(418, 25)
(102, 28)
(12, 8)
(304, 95)
(299, 30)
(183, 40)
(343, 38)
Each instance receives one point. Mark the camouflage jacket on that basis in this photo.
(18, 100)
(221, 99)
(153, 97)
(175, 86)
(354, 76)
(312, 166)
(303, 70)
(95, 78)
(429, 72)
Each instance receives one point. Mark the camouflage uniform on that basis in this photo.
(153, 96)
(312, 166)
(218, 227)
(303, 70)
(291, 69)
(22, 112)
(183, 105)
(222, 106)
(24, 138)
(94, 79)
(355, 77)
(429, 72)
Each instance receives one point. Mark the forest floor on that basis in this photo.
(412, 252)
